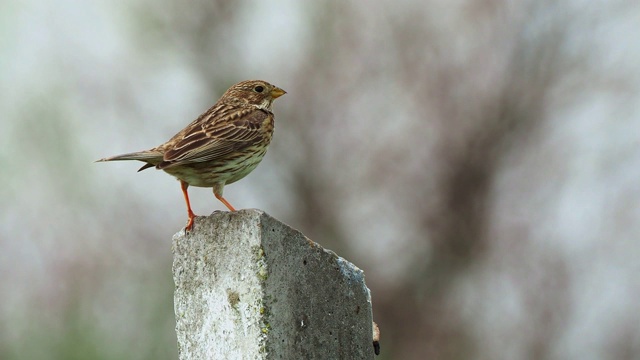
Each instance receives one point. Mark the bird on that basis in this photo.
(221, 146)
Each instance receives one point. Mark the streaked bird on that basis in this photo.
(220, 147)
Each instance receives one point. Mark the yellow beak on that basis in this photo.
(277, 92)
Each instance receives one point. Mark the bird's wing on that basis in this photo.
(212, 140)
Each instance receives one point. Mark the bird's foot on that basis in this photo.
(190, 223)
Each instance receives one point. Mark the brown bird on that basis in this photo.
(221, 146)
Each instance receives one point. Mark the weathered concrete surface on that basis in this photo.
(250, 287)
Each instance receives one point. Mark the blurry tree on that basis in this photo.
(478, 159)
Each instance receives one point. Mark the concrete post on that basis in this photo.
(251, 287)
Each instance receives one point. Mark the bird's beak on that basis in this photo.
(277, 92)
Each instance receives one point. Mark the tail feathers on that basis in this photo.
(150, 157)
(146, 166)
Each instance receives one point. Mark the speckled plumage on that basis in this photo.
(222, 145)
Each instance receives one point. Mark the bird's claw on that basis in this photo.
(190, 223)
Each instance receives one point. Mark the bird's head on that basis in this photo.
(254, 92)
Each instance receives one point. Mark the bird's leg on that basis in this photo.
(217, 192)
(190, 213)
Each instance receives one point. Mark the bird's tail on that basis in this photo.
(151, 157)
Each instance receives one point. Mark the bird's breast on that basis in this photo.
(268, 124)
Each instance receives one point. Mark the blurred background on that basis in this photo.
(478, 159)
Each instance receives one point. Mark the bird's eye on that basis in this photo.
(258, 89)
